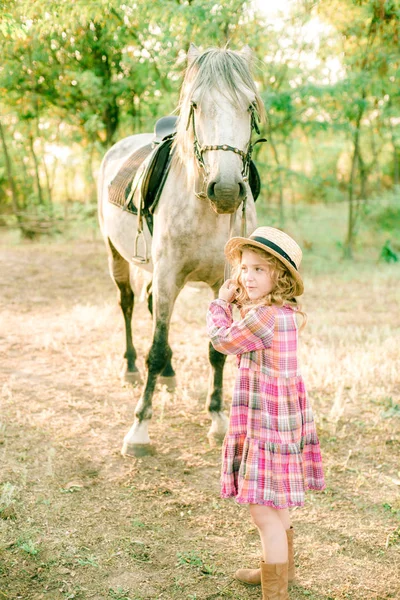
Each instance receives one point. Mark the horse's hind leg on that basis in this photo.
(119, 270)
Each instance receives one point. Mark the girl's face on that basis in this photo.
(256, 275)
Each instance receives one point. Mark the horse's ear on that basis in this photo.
(192, 54)
(247, 53)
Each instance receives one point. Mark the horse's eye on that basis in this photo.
(194, 104)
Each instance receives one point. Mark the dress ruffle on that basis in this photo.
(256, 472)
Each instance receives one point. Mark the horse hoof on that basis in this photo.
(137, 450)
(218, 429)
(133, 377)
(215, 440)
(170, 382)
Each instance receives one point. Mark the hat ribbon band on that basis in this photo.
(274, 247)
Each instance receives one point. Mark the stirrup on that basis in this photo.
(136, 258)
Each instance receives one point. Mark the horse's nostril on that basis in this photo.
(242, 190)
(211, 190)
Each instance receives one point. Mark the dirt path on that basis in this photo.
(79, 521)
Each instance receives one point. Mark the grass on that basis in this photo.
(29, 547)
(78, 521)
(193, 559)
(119, 594)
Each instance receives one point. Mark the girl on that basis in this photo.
(271, 452)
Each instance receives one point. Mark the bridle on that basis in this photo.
(199, 151)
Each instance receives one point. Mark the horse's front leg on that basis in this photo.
(219, 421)
(167, 376)
(165, 290)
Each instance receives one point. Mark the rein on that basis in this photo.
(243, 233)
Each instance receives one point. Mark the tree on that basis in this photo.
(368, 40)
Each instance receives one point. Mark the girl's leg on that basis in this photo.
(285, 518)
(272, 529)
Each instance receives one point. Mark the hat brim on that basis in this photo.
(233, 248)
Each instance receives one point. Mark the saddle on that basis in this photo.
(146, 169)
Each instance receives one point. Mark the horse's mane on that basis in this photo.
(216, 68)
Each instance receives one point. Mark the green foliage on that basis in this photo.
(392, 409)
(29, 547)
(119, 594)
(83, 75)
(90, 561)
(388, 254)
(194, 560)
(382, 216)
(388, 218)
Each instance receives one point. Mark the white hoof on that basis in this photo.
(169, 382)
(133, 377)
(137, 441)
(137, 450)
(218, 429)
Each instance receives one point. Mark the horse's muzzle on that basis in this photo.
(226, 199)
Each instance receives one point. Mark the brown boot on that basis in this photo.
(253, 576)
(249, 576)
(291, 573)
(274, 581)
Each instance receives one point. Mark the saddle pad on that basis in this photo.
(121, 185)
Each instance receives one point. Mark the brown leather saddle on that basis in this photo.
(150, 178)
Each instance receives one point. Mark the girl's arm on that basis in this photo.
(254, 332)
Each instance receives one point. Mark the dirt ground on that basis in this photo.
(80, 521)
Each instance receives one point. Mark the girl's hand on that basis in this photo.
(228, 290)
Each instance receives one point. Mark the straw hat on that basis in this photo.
(273, 241)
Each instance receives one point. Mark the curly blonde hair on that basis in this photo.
(283, 292)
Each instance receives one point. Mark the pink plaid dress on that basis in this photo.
(271, 452)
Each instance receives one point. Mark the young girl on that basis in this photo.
(271, 453)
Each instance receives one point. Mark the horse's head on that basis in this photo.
(219, 108)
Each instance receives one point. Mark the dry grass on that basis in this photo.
(78, 521)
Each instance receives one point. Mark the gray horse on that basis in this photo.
(196, 213)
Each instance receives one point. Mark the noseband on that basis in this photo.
(200, 150)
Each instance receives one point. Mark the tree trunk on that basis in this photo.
(37, 176)
(111, 120)
(91, 184)
(291, 188)
(363, 176)
(375, 161)
(10, 177)
(48, 186)
(103, 63)
(348, 246)
(27, 185)
(396, 160)
(396, 157)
